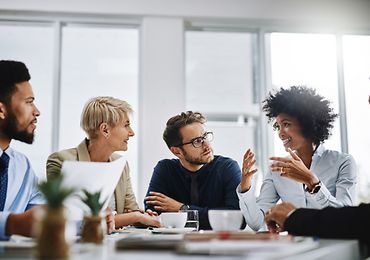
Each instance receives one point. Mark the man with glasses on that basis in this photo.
(197, 180)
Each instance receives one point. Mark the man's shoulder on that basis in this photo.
(22, 164)
(166, 165)
(222, 165)
(17, 155)
(172, 161)
(221, 160)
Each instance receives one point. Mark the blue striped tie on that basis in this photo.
(4, 163)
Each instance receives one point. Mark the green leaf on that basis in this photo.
(92, 201)
(54, 193)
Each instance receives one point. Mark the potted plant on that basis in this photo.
(92, 228)
(51, 238)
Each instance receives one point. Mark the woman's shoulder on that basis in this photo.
(334, 153)
(64, 155)
(336, 156)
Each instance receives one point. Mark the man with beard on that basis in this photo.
(18, 182)
(197, 180)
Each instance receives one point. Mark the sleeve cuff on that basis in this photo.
(322, 196)
(253, 215)
(247, 197)
(239, 191)
(3, 218)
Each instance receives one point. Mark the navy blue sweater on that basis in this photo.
(217, 182)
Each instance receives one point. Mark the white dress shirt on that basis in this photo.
(22, 191)
(336, 171)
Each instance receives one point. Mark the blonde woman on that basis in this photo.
(106, 122)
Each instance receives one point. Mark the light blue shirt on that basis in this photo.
(336, 171)
(22, 191)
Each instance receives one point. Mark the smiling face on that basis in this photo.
(120, 134)
(21, 114)
(290, 132)
(193, 158)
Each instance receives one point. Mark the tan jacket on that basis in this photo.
(124, 196)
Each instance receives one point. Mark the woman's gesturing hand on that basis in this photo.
(294, 168)
(247, 171)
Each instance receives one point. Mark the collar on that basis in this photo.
(201, 170)
(83, 152)
(8, 151)
(320, 150)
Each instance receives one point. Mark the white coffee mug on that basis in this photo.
(173, 219)
(225, 220)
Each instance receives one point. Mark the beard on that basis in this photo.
(10, 129)
(196, 160)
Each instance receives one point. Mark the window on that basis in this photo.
(220, 84)
(219, 70)
(356, 50)
(98, 61)
(306, 59)
(33, 45)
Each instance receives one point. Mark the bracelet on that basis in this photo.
(315, 189)
(184, 207)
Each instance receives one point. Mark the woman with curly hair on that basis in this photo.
(311, 176)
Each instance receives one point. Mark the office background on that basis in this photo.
(220, 57)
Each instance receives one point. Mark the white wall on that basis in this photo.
(162, 90)
(326, 14)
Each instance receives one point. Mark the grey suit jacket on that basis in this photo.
(124, 196)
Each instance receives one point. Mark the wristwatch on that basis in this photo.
(315, 189)
(184, 207)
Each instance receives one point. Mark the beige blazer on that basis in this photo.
(124, 196)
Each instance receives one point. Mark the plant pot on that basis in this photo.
(92, 230)
(51, 234)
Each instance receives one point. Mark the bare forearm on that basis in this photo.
(19, 224)
(126, 219)
(245, 184)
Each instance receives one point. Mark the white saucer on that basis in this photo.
(173, 230)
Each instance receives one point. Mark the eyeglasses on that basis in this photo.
(198, 141)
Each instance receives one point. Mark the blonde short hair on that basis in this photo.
(100, 110)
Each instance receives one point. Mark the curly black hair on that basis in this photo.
(312, 111)
(11, 73)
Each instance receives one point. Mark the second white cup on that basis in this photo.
(173, 219)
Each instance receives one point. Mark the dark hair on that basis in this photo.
(312, 111)
(171, 134)
(11, 73)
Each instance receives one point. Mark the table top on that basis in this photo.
(139, 244)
